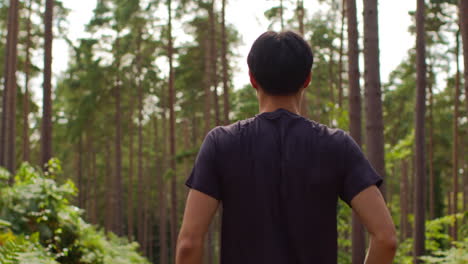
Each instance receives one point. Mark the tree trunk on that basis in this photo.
(130, 210)
(340, 65)
(174, 218)
(117, 228)
(141, 188)
(373, 93)
(213, 57)
(225, 64)
(162, 191)
(79, 170)
(455, 136)
(109, 204)
(464, 33)
(420, 176)
(355, 120)
(300, 18)
(282, 14)
(431, 150)
(94, 189)
(27, 67)
(9, 107)
(46, 141)
(404, 201)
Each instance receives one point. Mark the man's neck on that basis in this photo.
(273, 103)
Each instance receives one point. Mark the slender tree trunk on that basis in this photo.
(464, 33)
(404, 201)
(9, 107)
(431, 150)
(282, 14)
(141, 188)
(225, 63)
(340, 65)
(162, 191)
(46, 141)
(420, 180)
(79, 170)
(130, 209)
(373, 93)
(355, 120)
(455, 136)
(94, 189)
(331, 77)
(213, 57)
(27, 67)
(300, 17)
(174, 218)
(109, 216)
(117, 228)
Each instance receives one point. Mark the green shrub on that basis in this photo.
(44, 223)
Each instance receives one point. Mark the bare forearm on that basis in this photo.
(189, 252)
(381, 252)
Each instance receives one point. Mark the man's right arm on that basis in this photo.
(371, 209)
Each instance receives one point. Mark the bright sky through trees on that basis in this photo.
(248, 17)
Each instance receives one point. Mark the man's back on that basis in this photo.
(279, 176)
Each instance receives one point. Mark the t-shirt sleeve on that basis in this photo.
(358, 173)
(204, 176)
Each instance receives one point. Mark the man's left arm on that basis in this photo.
(199, 211)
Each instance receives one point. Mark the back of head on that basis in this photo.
(280, 62)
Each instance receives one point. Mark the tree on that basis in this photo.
(7, 148)
(420, 175)
(463, 10)
(172, 152)
(355, 123)
(225, 63)
(373, 94)
(46, 140)
(455, 146)
(27, 70)
(300, 17)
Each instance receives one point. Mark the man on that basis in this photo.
(278, 175)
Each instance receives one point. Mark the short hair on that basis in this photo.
(280, 62)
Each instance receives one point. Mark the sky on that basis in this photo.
(248, 18)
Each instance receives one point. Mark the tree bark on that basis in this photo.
(455, 135)
(300, 18)
(373, 93)
(464, 33)
(109, 204)
(117, 228)
(420, 176)
(340, 65)
(46, 147)
(225, 64)
(162, 191)
(355, 120)
(174, 218)
(404, 201)
(130, 209)
(282, 14)
(141, 188)
(79, 170)
(213, 57)
(27, 67)
(431, 150)
(8, 139)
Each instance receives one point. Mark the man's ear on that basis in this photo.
(308, 79)
(253, 81)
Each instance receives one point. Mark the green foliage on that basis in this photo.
(457, 254)
(438, 241)
(43, 227)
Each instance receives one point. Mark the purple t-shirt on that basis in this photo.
(278, 176)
